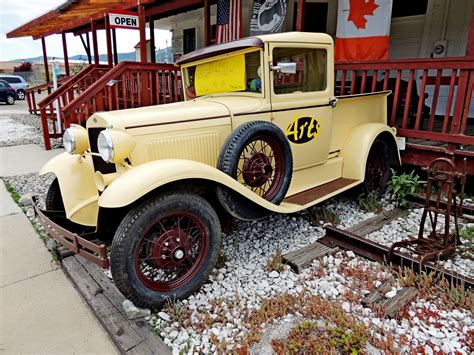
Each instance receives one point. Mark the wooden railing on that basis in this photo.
(31, 93)
(128, 85)
(431, 101)
(66, 93)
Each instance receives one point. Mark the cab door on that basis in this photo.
(300, 91)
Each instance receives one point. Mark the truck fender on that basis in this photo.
(142, 179)
(73, 171)
(355, 149)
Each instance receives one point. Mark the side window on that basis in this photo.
(15, 80)
(2, 84)
(310, 70)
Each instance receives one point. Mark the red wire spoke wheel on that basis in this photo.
(165, 248)
(377, 168)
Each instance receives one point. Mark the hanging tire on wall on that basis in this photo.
(377, 168)
(258, 155)
(165, 248)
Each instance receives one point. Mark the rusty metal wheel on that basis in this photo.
(377, 168)
(258, 155)
(165, 248)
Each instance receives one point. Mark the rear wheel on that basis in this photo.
(165, 248)
(10, 99)
(20, 94)
(377, 168)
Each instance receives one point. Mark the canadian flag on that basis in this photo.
(363, 29)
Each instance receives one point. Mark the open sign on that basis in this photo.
(123, 19)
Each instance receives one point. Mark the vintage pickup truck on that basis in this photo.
(259, 132)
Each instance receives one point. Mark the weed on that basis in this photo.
(177, 311)
(275, 263)
(467, 233)
(15, 196)
(222, 259)
(400, 186)
(370, 202)
(315, 216)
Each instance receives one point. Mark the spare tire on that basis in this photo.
(258, 155)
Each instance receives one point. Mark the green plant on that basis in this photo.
(15, 196)
(276, 261)
(315, 216)
(467, 233)
(400, 186)
(370, 202)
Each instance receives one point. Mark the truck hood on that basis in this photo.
(161, 114)
(237, 104)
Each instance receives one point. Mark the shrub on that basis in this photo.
(25, 66)
(370, 202)
(400, 186)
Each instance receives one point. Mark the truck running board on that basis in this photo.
(317, 192)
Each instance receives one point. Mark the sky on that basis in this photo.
(15, 13)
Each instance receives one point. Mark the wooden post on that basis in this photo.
(142, 24)
(152, 40)
(207, 23)
(89, 55)
(108, 40)
(470, 38)
(94, 42)
(114, 44)
(45, 60)
(300, 15)
(66, 58)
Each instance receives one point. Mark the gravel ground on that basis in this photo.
(216, 317)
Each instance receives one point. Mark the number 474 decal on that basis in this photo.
(303, 130)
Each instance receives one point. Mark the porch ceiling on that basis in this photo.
(68, 16)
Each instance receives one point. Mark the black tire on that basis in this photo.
(258, 155)
(377, 168)
(10, 99)
(20, 94)
(53, 200)
(131, 241)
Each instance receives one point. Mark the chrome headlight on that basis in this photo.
(75, 139)
(105, 145)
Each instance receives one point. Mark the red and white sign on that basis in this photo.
(363, 30)
(123, 19)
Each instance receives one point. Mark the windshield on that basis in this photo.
(236, 73)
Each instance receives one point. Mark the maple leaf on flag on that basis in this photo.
(358, 9)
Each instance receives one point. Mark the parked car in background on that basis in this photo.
(18, 83)
(7, 93)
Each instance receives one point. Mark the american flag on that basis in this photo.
(229, 20)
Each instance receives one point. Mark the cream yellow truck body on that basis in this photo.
(259, 131)
(182, 141)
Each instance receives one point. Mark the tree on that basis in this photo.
(25, 66)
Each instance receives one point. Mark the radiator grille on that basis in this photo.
(99, 163)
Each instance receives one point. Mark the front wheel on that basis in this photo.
(20, 94)
(165, 248)
(10, 100)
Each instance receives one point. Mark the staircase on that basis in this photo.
(127, 85)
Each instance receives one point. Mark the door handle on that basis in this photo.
(333, 102)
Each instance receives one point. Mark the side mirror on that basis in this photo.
(285, 68)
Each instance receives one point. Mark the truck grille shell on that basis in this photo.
(99, 164)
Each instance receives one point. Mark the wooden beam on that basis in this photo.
(66, 57)
(45, 60)
(207, 23)
(470, 38)
(152, 40)
(108, 40)
(89, 54)
(94, 42)
(142, 26)
(173, 6)
(300, 15)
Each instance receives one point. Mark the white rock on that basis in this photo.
(346, 307)
(274, 274)
(165, 316)
(391, 294)
(133, 311)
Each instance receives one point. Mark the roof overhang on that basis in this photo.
(68, 16)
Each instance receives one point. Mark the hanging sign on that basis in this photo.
(223, 75)
(123, 19)
(267, 16)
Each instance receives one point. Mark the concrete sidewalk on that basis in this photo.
(41, 312)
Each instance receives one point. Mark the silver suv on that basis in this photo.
(18, 83)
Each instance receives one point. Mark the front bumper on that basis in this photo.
(97, 253)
